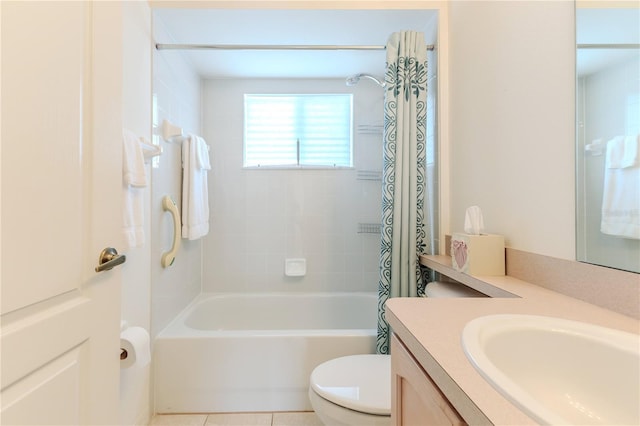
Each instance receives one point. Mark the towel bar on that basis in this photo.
(149, 150)
(169, 205)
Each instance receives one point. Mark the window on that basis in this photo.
(298, 130)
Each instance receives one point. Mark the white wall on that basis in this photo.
(135, 400)
(176, 97)
(261, 217)
(512, 121)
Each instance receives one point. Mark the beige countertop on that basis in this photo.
(432, 329)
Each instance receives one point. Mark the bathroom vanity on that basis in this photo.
(433, 381)
(416, 398)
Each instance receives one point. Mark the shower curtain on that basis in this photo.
(404, 173)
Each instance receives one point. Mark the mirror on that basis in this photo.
(607, 133)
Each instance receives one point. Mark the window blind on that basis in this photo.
(298, 130)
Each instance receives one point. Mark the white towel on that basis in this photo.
(195, 190)
(621, 197)
(134, 179)
(631, 152)
(202, 154)
(133, 160)
(622, 152)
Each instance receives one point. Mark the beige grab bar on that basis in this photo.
(169, 205)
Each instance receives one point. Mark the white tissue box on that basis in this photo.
(478, 254)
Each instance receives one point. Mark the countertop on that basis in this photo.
(432, 329)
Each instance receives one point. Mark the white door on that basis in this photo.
(60, 201)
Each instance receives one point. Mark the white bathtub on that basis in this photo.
(255, 352)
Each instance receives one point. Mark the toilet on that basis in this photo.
(356, 389)
(352, 390)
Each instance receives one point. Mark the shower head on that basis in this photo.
(354, 79)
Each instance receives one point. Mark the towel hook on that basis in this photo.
(171, 132)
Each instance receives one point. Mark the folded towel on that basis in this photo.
(134, 179)
(133, 171)
(621, 197)
(202, 154)
(622, 152)
(133, 216)
(631, 151)
(195, 190)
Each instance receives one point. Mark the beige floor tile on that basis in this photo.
(239, 419)
(178, 420)
(296, 419)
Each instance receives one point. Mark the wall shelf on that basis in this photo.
(442, 265)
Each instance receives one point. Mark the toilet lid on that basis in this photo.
(358, 382)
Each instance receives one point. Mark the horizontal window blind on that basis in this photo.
(298, 130)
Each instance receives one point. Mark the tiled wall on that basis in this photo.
(176, 97)
(261, 217)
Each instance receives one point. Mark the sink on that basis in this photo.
(558, 371)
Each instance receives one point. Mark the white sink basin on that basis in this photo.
(558, 371)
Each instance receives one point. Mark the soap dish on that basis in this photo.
(295, 267)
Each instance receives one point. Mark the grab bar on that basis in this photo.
(169, 205)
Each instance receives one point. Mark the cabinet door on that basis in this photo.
(415, 398)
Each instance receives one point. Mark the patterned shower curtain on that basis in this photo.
(404, 173)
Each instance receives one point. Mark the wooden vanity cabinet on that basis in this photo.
(415, 399)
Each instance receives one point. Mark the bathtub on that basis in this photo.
(255, 352)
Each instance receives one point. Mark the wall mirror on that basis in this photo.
(607, 132)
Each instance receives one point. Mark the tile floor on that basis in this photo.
(237, 419)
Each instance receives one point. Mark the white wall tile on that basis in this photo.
(176, 89)
(262, 217)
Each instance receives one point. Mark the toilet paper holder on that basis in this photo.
(134, 348)
(123, 352)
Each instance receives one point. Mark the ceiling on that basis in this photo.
(605, 26)
(286, 27)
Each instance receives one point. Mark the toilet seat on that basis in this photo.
(358, 382)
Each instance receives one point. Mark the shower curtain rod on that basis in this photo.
(164, 46)
(609, 46)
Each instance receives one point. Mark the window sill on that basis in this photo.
(298, 168)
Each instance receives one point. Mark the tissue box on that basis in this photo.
(478, 254)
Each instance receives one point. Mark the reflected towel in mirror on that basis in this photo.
(621, 197)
